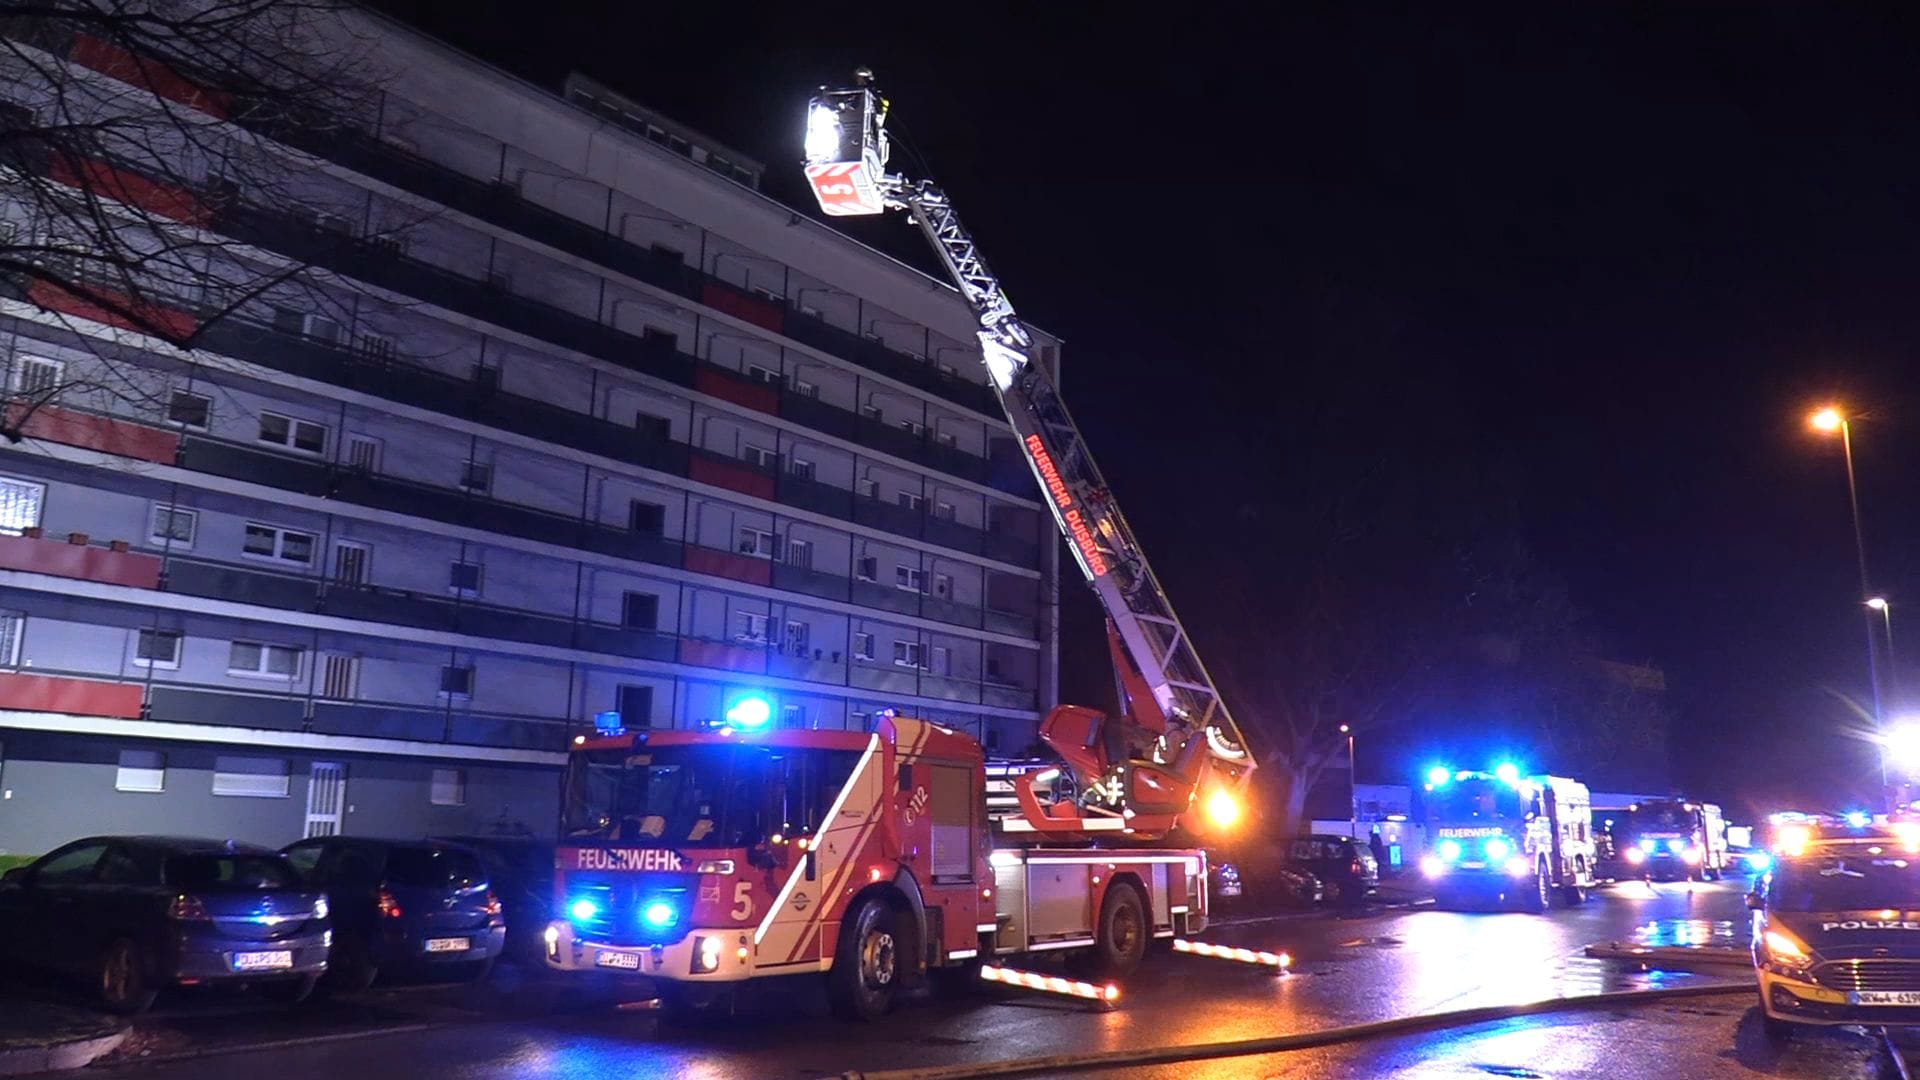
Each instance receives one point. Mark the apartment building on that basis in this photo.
(566, 419)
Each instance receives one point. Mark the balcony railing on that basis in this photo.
(448, 723)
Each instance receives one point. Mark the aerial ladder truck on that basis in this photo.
(708, 860)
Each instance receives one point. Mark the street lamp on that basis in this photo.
(1353, 786)
(1827, 421)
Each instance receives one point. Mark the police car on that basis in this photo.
(1836, 928)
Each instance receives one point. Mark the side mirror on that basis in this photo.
(761, 857)
(1755, 901)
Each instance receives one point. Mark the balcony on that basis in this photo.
(75, 558)
(186, 705)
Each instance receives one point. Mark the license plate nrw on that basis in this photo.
(262, 961)
(1884, 997)
(448, 944)
(622, 960)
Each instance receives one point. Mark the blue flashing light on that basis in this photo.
(1676, 845)
(609, 723)
(1647, 843)
(1858, 819)
(1508, 772)
(1497, 849)
(1450, 850)
(583, 909)
(1439, 776)
(750, 713)
(658, 915)
(1759, 861)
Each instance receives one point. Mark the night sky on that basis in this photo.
(1634, 244)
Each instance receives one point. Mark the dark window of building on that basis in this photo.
(456, 681)
(652, 428)
(640, 611)
(646, 517)
(636, 706)
(189, 410)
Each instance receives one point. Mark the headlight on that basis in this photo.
(1636, 856)
(1675, 846)
(583, 909)
(1497, 849)
(659, 915)
(320, 908)
(706, 955)
(1693, 855)
(1518, 867)
(1646, 843)
(1433, 865)
(1784, 948)
(1449, 850)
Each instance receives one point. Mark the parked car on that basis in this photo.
(134, 914)
(1256, 879)
(416, 906)
(1347, 871)
(520, 870)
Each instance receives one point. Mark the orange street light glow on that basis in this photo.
(1827, 420)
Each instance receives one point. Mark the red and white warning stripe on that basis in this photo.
(1277, 961)
(1106, 994)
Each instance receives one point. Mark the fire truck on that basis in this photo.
(1674, 838)
(1507, 838)
(713, 858)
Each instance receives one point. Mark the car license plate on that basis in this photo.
(1884, 997)
(262, 961)
(622, 960)
(1229, 890)
(448, 944)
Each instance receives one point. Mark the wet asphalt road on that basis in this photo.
(1348, 970)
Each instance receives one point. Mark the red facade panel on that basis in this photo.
(81, 697)
(740, 391)
(744, 306)
(733, 477)
(116, 309)
(122, 437)
(720, 654)
(115, 62)
(132, 189)
(61, 559)
(728, 565)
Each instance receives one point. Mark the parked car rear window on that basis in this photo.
(434, 868)
(230, 873)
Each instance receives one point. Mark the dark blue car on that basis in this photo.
(134, 914)
(421, 907)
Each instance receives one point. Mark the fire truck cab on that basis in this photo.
(707, 859)
(1503, 837)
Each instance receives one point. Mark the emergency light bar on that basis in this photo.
(1052, 984)
(1279, 962)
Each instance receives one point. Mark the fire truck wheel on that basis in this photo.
(866, 964)
(1121, 936)
(1541, 894)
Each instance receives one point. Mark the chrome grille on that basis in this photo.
(1869, 974)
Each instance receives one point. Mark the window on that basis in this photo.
(943, 511)
(73, 866)
(909, 500)
(635, 704)
(943, 585)
(750, 626)
(764, 375)
(251, 777)
(363, 453)
(867, 569)
(13, 625)
(477, 477)
(646, 517)
(339, 676)
(486, 377)
(19, 505)
(858, 721)
(868, 488)
(800, 467)
(942, 660)
(798, 638)
(993, 668)
(910, 578)
(761, 456)
(800, 554)
(906, 654)
(463, 578)
(274, 542)
(350, 561)
(757, 542)
(141, 770)
(172, 527)
(655, 338)
(654, 428)
(37, 376)
(640, 611)
(290, 321)
(449, 788)
(793, 716)
(189, 409)
(157, 649)
(301, 435)
(256, 659)
(863, 646)
(456, 681)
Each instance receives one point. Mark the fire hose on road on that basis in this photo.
(1405, 1025)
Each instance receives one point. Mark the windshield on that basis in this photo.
(434, 868)
(229, 873)
(714, 796)
(1846, 882)
(1472, 800)
(1662, 817)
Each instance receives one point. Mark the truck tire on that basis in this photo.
(866, 963)
(1540, 895)
(1120, 936)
